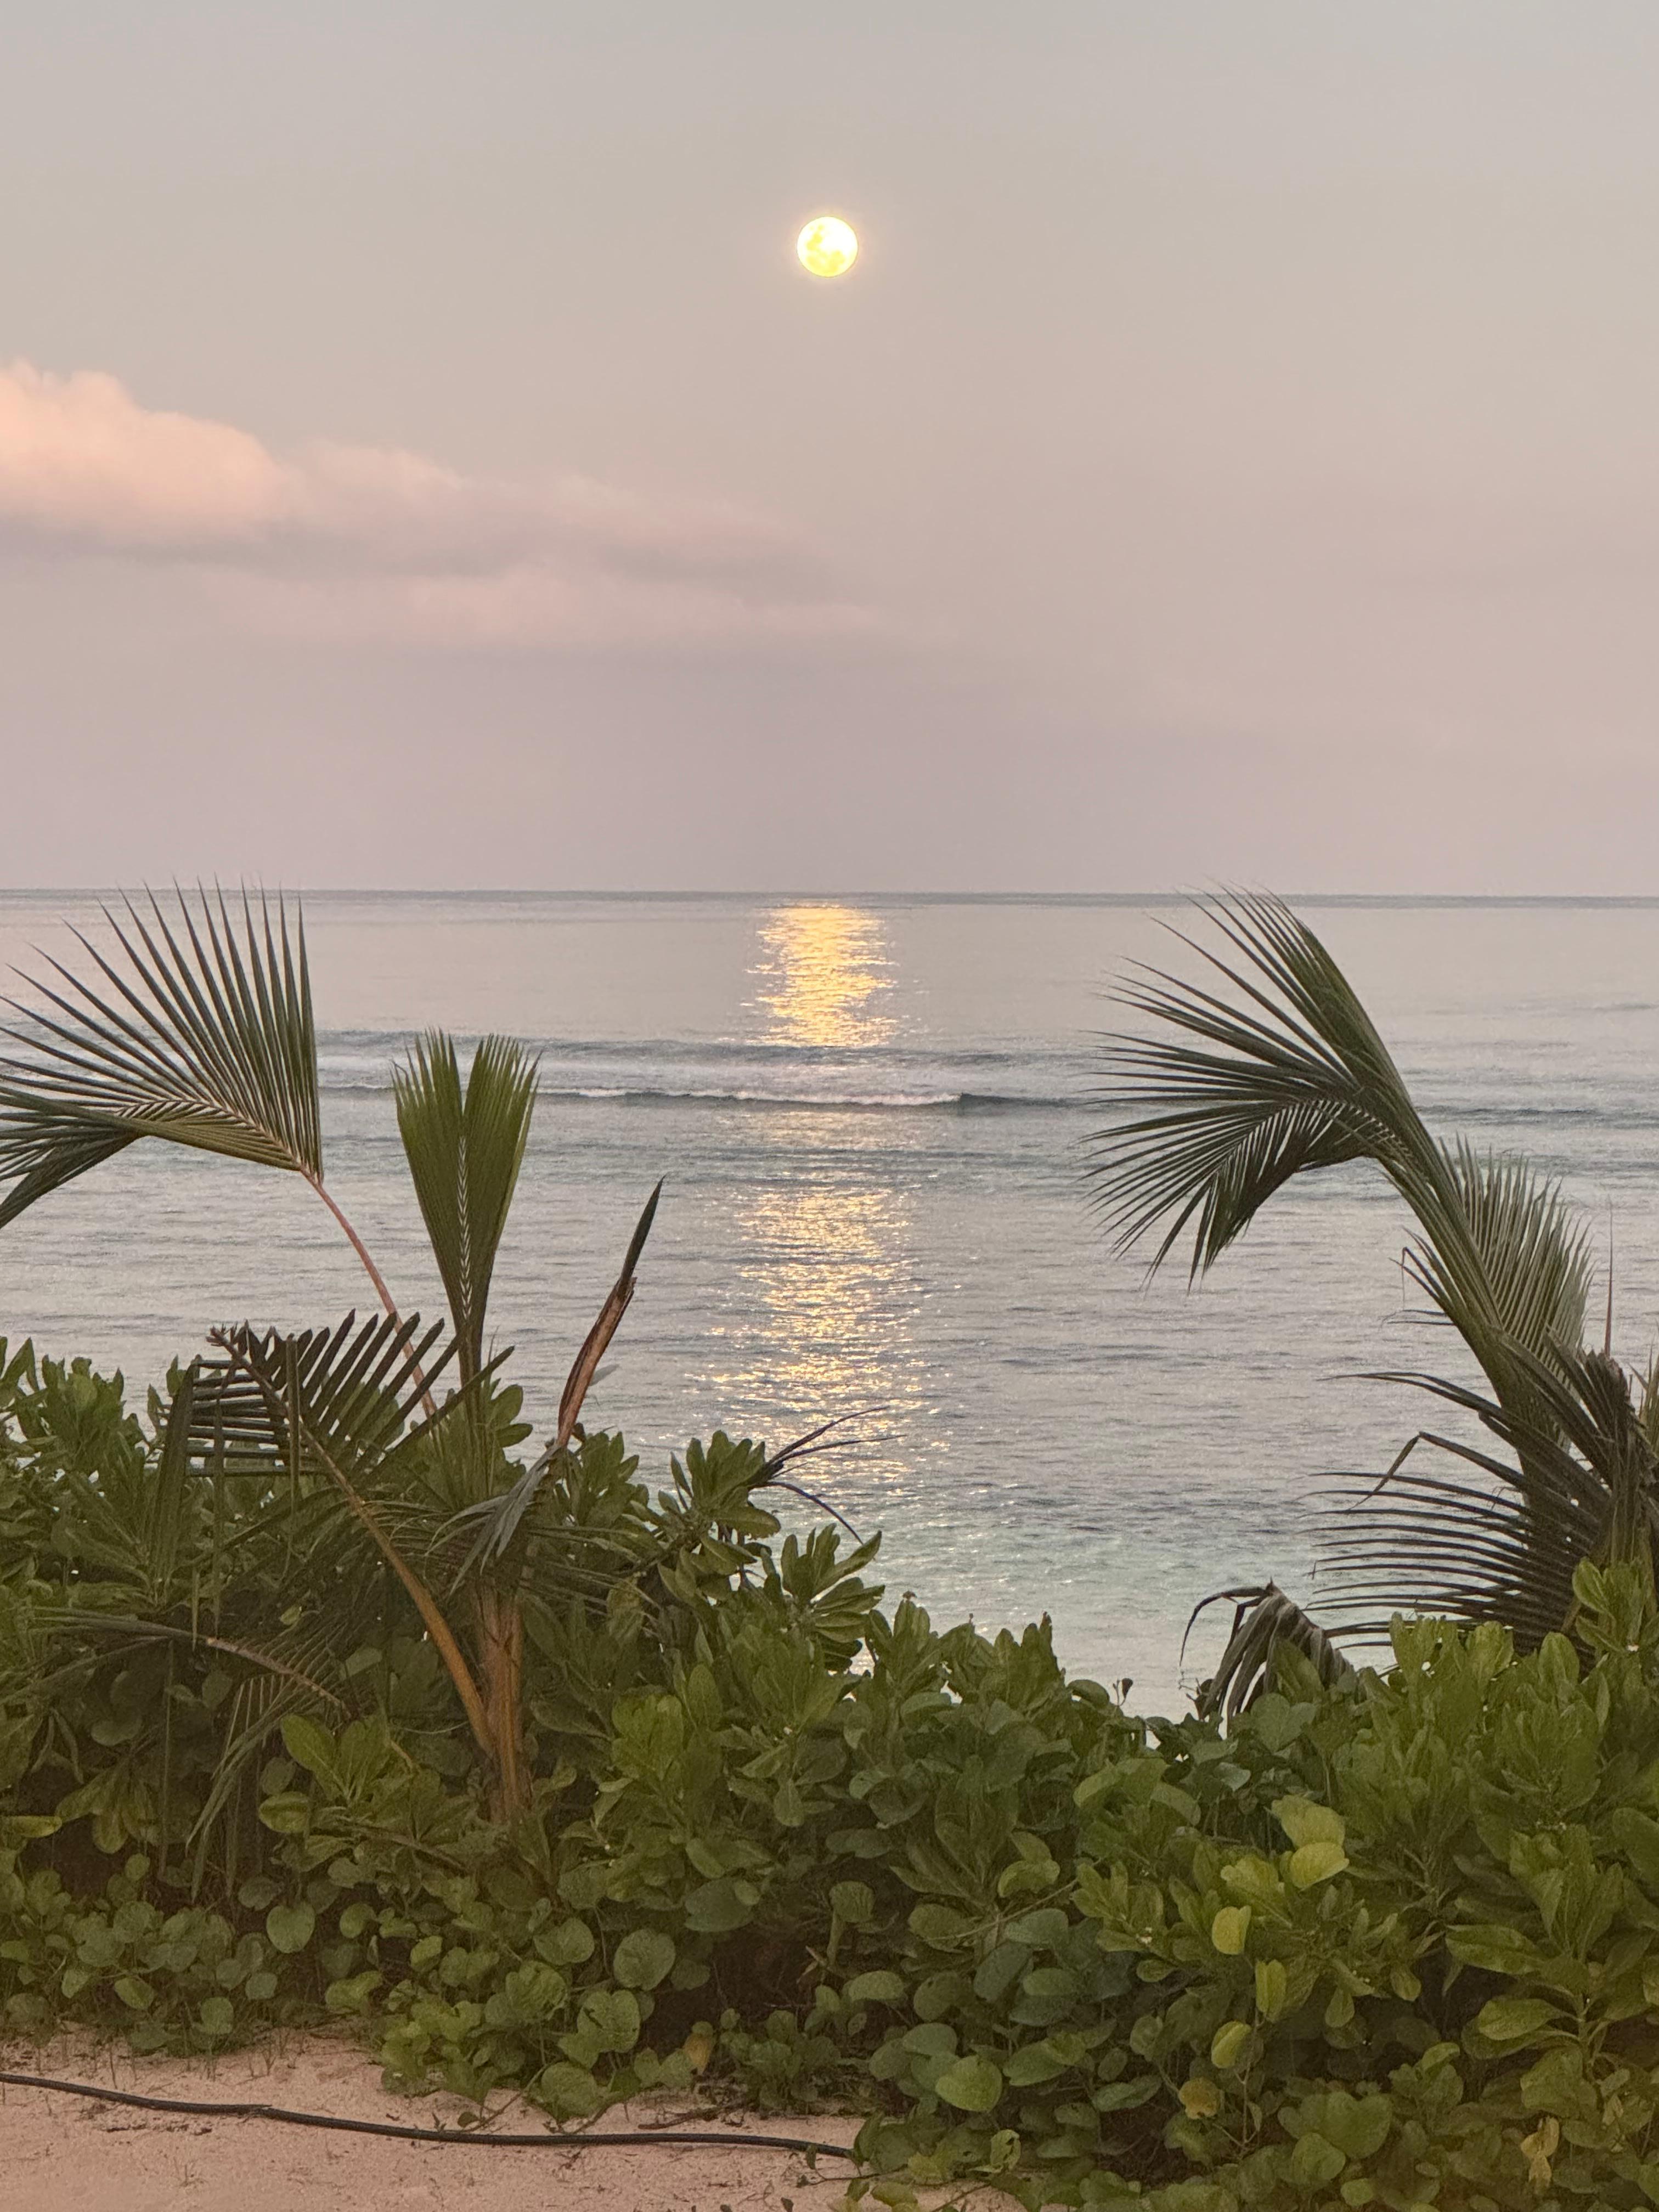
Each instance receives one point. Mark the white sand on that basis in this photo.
(60, 2153)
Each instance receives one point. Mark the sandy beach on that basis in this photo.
(63, 2153)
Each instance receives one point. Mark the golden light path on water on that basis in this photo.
(829, 1278)
(823, 973)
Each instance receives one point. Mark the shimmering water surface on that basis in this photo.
(872, 1117)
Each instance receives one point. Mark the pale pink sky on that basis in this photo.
(1237, 454)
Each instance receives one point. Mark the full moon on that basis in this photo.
(828, 247)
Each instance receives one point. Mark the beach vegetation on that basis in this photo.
(1392, 1937)
(327, 1697)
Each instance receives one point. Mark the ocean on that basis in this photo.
(872, 1117)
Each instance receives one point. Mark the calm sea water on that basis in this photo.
(872, 1117)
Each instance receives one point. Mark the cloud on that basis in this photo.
(334, 541)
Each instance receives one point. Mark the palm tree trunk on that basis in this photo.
(500, 1652)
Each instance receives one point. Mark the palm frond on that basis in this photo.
(1532, 1248)
(597, 1343)
(139, 1629)
(267, 1400)
(464, 1149)
(1297, 1079)
(336, 1404)
(1497, 1538)
(1244, 1097)
(197, 1031)
(494, 1521)
(1266, 1624)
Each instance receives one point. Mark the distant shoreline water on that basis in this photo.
(872, 1115)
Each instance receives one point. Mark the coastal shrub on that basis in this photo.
(1393, 1940)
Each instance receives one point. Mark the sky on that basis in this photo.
(1234, 455)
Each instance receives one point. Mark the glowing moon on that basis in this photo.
(828, 247)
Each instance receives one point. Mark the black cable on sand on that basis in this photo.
(600, 2139)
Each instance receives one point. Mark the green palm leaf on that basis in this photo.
(1277, 1070)
(189, 1035)
(464, 1149)
(1495, 1538)
(1242, 1097)
(195, 1031)
(494, 1521)
(278, 1406)
(335, 1408)
(1504, 1257)
(1266, 1624)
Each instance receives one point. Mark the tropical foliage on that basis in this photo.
(201, 1033)
(1267, 1067)
(1392, 1939)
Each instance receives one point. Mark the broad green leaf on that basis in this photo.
(311, 1747)
(1512, 2020)
(290, 1927)
(1495, 1946)
(1556, 2085)
(612, 2015)
(1126, 2096)
(941, 1925)
(17, 1828)
(1039, 1931)
(570, 2093)
(1253, 1879)
(1272, 1987)
(972, 2084)
(999, 1970)
(1636, 1834)
(642, 1957)
(1305, 1822)
(1359, 2126)
(563, 1942)
(1312, 1863)
(1032, 2062)
(1314, 2162)
(287, 1814)
(1229, 1927)
(717, 1907)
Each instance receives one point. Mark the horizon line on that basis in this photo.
(1495, 899)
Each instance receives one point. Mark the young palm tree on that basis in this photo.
(1267, 1068)
(202, 1034)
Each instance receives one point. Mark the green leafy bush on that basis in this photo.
(1394, 1941)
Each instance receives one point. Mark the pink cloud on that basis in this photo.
(336, 540)
(81, 463)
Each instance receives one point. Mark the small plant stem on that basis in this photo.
(357, 1246)
(375, 1277)
(501, 1638)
